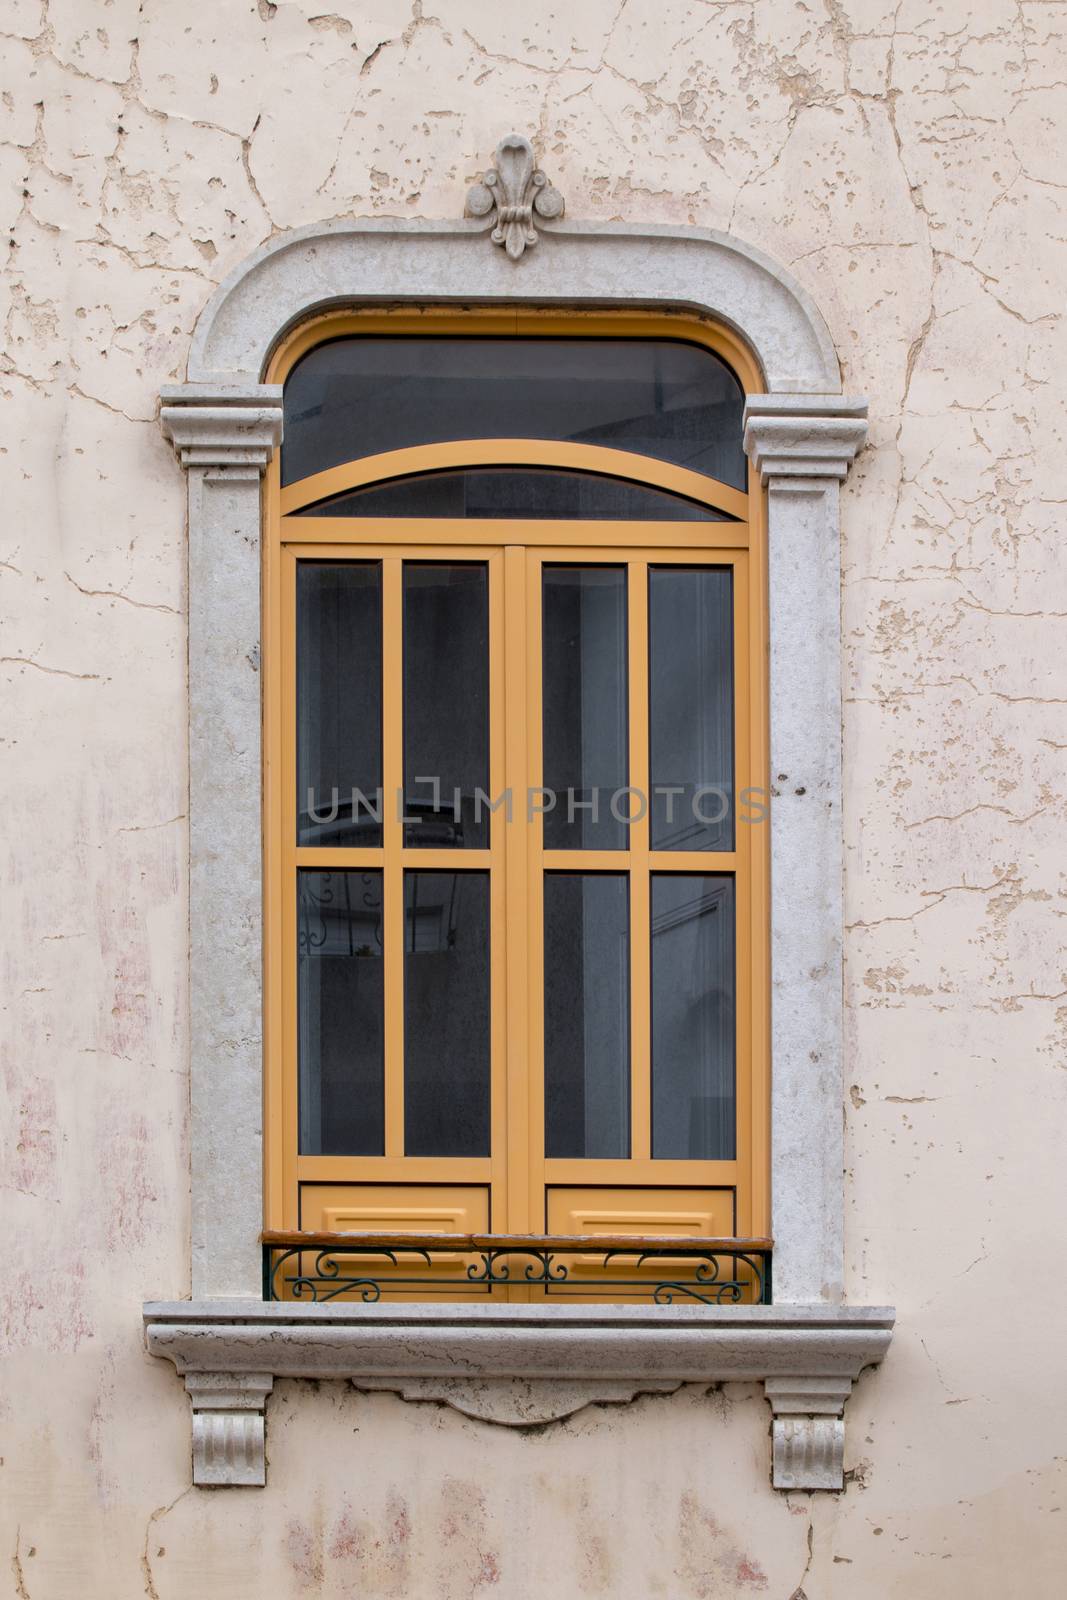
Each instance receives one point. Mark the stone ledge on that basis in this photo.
(519, 1364)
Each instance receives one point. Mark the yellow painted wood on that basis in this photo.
(743, 878)
(394, 1208)
(659, 860)
(498, 899)
(394, 1169)
(399, 1209)
(567, 457)
(639, 1213)
(424, 536)
(533, 827)
(516, 1178)
(429, 860)
(720, 1174)
(519, 934)
(338, 856)
(392, 837)
(640, 890)
(284, 884)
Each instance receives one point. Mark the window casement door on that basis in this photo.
(518, 991)
(516, 854)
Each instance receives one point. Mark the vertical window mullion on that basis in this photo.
(638, 835)
(392, 838)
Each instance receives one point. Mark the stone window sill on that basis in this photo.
(518, 1364)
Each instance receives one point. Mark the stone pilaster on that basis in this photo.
(803, 446)
(224, 437)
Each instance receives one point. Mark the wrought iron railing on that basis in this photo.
(319, 1267)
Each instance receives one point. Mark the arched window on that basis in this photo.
(515, 793)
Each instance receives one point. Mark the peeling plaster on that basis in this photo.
(905, 163)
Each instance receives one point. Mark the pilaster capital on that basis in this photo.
(226, 430)
(796, 437)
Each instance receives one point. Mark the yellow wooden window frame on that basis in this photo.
(516, 1171)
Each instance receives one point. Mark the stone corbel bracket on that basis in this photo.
(229, 1430)
(515, 1365)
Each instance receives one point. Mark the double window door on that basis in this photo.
(513, 909)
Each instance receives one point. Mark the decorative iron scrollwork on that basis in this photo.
(719, 1273)
(518, 189)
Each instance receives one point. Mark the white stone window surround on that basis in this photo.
(802, 434)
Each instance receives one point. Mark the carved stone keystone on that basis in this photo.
(517, 189)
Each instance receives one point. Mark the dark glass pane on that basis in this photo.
(446, 1013)
(691, 717)
(692, 1017)
(587, 1015)
(339, 1013)
(338, 703)
(658, 397)
(584, 706)
(446, 705)
(516, 492)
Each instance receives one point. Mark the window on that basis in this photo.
(515, 782)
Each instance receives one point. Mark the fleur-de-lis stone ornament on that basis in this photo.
(517, 189)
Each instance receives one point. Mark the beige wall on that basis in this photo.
(904, 159)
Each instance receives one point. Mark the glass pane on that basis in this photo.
(587, 1015)
(692, 1017)
(691, 718)
(446, 705)
(584, 706)
(658, 397)
(339, 1013)
(446, 1013)
(338, 703)
(516, 492)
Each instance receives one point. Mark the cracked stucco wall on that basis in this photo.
(904, 158)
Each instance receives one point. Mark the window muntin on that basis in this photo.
(533, 1176)
(515, 492)
(666, 398)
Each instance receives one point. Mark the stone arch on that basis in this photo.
(596, 264)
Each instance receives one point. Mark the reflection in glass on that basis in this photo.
(446, 704)
(338, 703)
(691, 723)
(692, 1017)
(587, 1015)
(446, 1013)
(584, 700)
(516, 492)
(658, 397)
(340, 1013)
